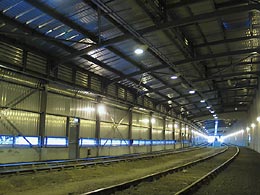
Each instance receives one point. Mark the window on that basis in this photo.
(56, 141)
(116, 142)
(26, 141)
(6, 140)
(105, 142)
(88, 142)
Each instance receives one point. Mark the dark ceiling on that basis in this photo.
(210, 45)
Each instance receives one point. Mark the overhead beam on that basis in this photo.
(196, 59)
(225, 41)
(227, 75)
(236, 64)
(53, 13)
(201, 18)
(91, 36)
(182, 3)
(232, 88)
(217, 55)
(177, 23)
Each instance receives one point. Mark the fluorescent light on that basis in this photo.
(174, 77)
(208, 107)
(191, 91)
(214, 115)
(212, 111)
(202, 101)
(139, 51)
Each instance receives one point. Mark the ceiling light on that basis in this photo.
(191, 91)
(212, 111)
(169, 102)
(202, 101)
(139, 51)
(208, 107)
(214, 115)
(258, 119)
(247, 129)
(236, 108)
(174, 77)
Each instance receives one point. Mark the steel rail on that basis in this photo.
(64, 164)
(150, 177)
(207, 177)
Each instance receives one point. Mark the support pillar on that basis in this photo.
(164, 129)
(130, 127)
(97, 132)
(180, 135)
(150, 130)
(173, 133)
(73, 137)
(42, 124)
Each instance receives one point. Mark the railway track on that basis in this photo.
(219, 161)
(58, 165)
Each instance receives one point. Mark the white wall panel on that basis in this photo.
(140, 133)
(11, 93)
(140, 119)
(115, 115)
(109, 130)
(27, 123)
(58, 104)
(168, 135)
(157, 134)
(169, 125)
(157, 123)
(82, 108)
(87, 128)
(55, 126)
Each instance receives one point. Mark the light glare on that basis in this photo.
(174, 77)
(253, 125)
(101, 109)
(139, 51)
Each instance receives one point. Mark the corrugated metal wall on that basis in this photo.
(55, 126)
(115, 123)
(57, 104)
(177, 130)
(168, 135)
(140, 133)
(26, 122)
(140, 119)
(110, 130)
(11, 93)
(168, 129)
(157, 134)
(116, 115)
(11, 54)
(87, 128)
(83, 109)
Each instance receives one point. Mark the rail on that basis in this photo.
(150, 177)
(33, 167)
